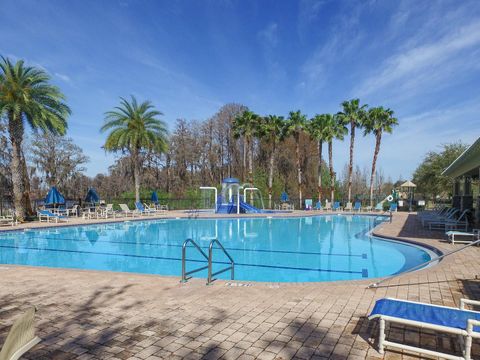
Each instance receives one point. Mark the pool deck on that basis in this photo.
(105, 315)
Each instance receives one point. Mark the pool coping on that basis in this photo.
(372, 232)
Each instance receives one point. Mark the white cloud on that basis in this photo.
(420, 59)
(269, 35)
(63, 77)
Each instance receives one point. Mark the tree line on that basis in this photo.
(272, 152)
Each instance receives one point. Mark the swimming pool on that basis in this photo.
(295, 249)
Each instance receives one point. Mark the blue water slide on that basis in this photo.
(249, 209)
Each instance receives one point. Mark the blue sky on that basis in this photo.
(420, 58)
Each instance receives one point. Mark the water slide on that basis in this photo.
(231, 208)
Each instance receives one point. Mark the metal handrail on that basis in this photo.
(210, 278)
(374, 285)
(185, 274)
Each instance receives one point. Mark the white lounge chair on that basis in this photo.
(20, 338)
(126, 210)
(46, 215)
(449, 215)
(144, 211)
(465, 237)
(8, 220)
(348, 207)
(461, 322)
(328, 206)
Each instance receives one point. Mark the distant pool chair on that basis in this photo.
(357, 206)
(393, 207)
(379, 207)
(348, 207)
(318, 205)
(142, 210)
(21, 337)
(461, 322)
(47, 215)
(336, 206)
(328, 205)
(125, 210)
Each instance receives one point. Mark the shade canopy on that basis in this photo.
(92, 196)
(154, 197)
(408, 184)
(284, 197)
(54, 197)
(231, 181)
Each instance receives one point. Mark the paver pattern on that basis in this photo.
(104, 315)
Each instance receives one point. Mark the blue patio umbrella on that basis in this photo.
(92, 196)
(284, 197)
(154, 197)
(54, 197)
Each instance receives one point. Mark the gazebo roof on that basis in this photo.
(466, 164)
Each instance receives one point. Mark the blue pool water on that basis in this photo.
(321, 248)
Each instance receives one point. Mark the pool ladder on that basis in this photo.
(209, 259)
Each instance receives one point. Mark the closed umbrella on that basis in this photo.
(92, 196)
(54, 197)
(154, 197)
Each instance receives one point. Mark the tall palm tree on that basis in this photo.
(271, 130)
(315, 128)
(378, 121)
(26, 96)
(354, 115)
(334, 128)
(294, 126)
(135, 128)
(247, 125)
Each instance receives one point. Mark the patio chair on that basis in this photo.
(336, 206)
(154, 208)
(348, 207)
(8, 220)
(461, 322)
(357, 206)
(47, 215)
(393, 207)
(125, 210)
(328, 205)
(142, 210)
(450, 213)
(465, 237)
(318, 206)
(451, 223)
(20, 338)
(379, 207)
(73, 211)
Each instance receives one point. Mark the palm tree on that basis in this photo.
(378, 121)
(354, 115)
(315, 128)
(271, 129)
(334, 128)
(246, 125)
(135, 128)
(27, 97)
(294, 126)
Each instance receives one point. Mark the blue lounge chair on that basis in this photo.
(336, 206)
(318, 205)
(142, 210)
(393, 207)
(462, 322)
(47, 215)
(357, 206)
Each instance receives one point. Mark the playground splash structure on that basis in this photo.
(232, 198)
(392, 198)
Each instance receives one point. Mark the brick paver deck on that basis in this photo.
(104, 315)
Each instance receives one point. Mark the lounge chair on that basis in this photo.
(357, 206)
(47, 215)
(465, 237)
(8, 220)
(142, 210)
(125, 210)
(20, 338)
(73, 211)
(156, 207)
(451, 223)
(379, 207)
(393, 207)
(348, 207)
(318, 206)
(449, 214)
(328, 205)
(462, 322)
(336, 206)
